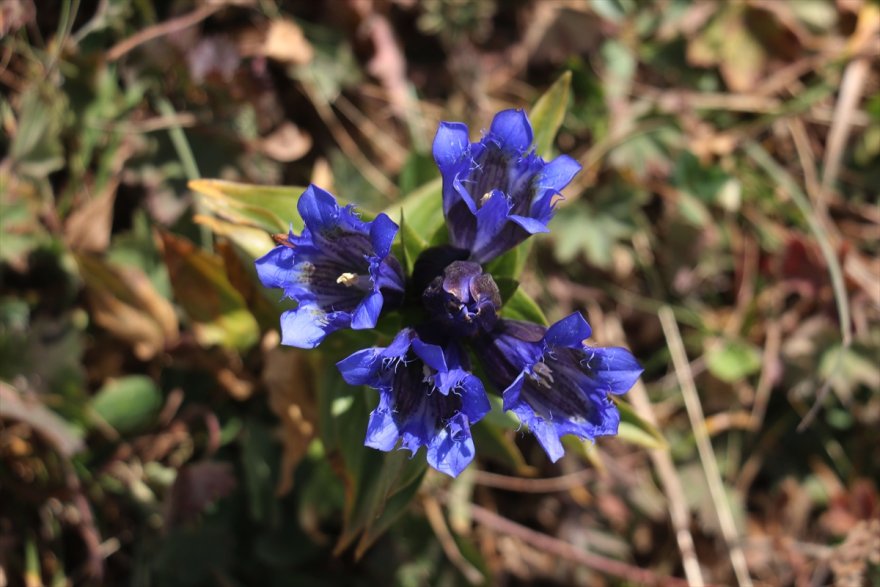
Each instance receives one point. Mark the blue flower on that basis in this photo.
(427, 397)
(463, 300)
(497, 192)
(556, 384)
(340, 270)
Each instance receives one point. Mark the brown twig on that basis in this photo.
(527, 485)
(704, 445)
(163, 28)
(438, 523)
(570, 552)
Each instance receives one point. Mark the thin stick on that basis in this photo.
(343, 138)
(447, 542)
(679, 513)
(163, 28)
(783, 179)
(568, 551)
(704, 445)
(527, 485)
(765, 383)
(851, 87)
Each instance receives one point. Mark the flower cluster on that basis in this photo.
(496, 193)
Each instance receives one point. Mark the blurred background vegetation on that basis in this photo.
(725, 228)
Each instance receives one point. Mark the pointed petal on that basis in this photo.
(305, 327)
(616, 368)
(276, 268)
(451, 449)
(382, 431)
(474, 401)
(547, 437)
(361, 368)
(318, 209)
(451, 144)
(366, 314)
(431, 354)
(513, 131)
(569, 332)
(530, 225)
(558, 173)
(382, 233)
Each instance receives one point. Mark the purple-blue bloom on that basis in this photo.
(340, 270)
(462, 300)
(427, 397)
(553, 382)
(497, 191)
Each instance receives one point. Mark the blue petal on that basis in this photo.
(451, 144)
(530, 225)
(360, 368)
(547, 435)
(513, 131)
(382, 432)
(451, 450)
(318, 209)
(558, 173)
(614, 367)
(382, 233)
(569, 332)
(305, 327)
(474, 401)
(276, 268)
(431, 354)
(367, 312)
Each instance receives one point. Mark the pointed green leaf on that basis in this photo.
(548, 112)
(522, 307)
(271, 207)
(423, 208)
(217, 311)
(635, 430)
(410, 245)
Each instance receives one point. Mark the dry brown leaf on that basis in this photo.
(88, 227)
(46, 423)
(285, 42)
(289, 381)
(287, 143)
(125, 303)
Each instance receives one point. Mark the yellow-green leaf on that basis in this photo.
(548, 112)
(217, 311)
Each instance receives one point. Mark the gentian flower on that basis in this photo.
(340, 270)
(497, 191)
(463, 299)
(553, 382)
(427, 397)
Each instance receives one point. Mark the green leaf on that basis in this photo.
(128, 404)
(635, 430)
(410, 245)
(731, 360)
(378, 485)
(548, 112)
(495, 444)
(521, 307)
(218, 312)
(272, 208)
(423, 208)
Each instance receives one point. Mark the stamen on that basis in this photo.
(348, 279)
(542, 375)
(485, 198)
